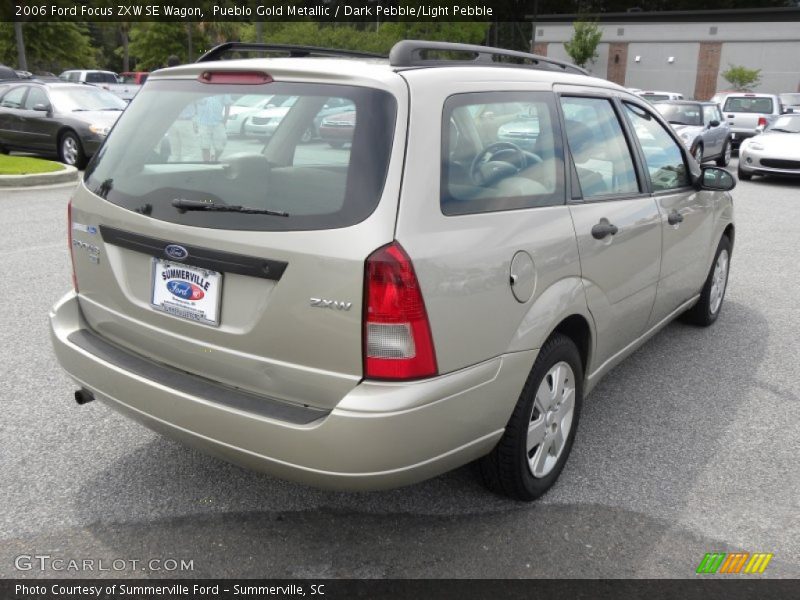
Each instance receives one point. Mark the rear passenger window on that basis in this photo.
(13, 99)
(500, 151)
(598, 147)
(662, 154)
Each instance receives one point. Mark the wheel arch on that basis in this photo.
(561, 308)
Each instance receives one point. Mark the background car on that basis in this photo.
(108, 80)
(264, 122)
(62, 119)
(523, 131)
(701, 127)
(657, 96)
(747, 112)
(134, 77)
(338, 129)
(242, 109)
(774, 152)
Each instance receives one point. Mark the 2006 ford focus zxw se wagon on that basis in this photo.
(371, 315)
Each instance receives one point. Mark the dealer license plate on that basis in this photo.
(187, 292)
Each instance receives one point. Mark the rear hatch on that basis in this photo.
(745, 112)
(239, 260)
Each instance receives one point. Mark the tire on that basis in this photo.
(698, 153)
(725, 158)
(70, 150)
(708, 307)
(510, 469)
(743, 176)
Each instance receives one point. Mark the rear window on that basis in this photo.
(99, 77)
(185, 141)
(655, 97)
(746, 104)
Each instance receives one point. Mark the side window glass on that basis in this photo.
(598, 147)
(36, 96)
(663, 156)
(13, 99)
(709, 114)
(500, 151)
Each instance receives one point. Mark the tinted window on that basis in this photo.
(185, 153)
(681, 114)
(598, 147)
(100, 77)
(36, 96)
(500, 151)
(13, 99)
(662, 153)
(744, 104)
(786, 124)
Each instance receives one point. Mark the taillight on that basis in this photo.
(397, 335)
(69, 241)
(762, 121)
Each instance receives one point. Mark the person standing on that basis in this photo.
(212, 112)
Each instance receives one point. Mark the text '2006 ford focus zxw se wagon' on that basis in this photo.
(371, 315)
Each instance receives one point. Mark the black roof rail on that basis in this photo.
(411, 53)
(286, 49)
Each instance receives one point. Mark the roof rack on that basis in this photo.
(411, 53)
(286, 49)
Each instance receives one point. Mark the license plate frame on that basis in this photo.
(176, 293)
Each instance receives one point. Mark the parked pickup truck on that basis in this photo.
(108, 80)
(748, 114)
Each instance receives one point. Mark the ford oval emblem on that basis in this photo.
(185, 290)
(176, 252)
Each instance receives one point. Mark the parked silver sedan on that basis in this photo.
(701, 127)
(774, 152)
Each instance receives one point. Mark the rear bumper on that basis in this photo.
(381, 435)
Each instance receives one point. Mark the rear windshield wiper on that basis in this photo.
(183, 205)
(782, 130)
(678, 123)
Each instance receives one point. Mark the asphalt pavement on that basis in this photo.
(690, 446)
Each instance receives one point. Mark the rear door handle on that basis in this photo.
(674, 218)
(604, 229)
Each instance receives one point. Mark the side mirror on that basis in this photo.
(717, 179)
(713, 123)
(41, 107)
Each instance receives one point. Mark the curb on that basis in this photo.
(67, 175)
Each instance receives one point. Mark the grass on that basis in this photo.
(24, 165)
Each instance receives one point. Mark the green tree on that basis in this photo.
(742, 78)
(582, 48)
(48, 46)
(152, 43)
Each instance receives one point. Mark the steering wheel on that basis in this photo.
(492, 164)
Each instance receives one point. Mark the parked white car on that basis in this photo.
(774, 152)
(659, 96)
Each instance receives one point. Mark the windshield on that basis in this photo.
(189, 153)
(681, 114)
(84, 98)
(748, 104)
(786, 124)
(790, 99)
